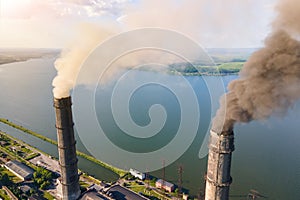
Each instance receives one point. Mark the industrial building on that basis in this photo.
(121, 193)
(46, 162)
(19, 169)
(137, 174)
(169, 187)
(92, 195)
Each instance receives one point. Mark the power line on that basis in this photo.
(163, 178)
(180, 171)
(147, 180)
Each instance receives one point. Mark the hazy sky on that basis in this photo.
(213, 23)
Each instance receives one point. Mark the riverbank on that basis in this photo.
(21, 55)
(118, 171)
(13, 148)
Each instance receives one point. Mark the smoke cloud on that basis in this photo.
(71, 59)
(269, 82)
(191, 17)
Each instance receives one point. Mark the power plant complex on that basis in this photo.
(68, 184)
(218, 177)
(267, 84)
(69, 180)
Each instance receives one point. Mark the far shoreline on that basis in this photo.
(9, 56)
(14, 61)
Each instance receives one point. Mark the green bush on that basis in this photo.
(5, 179)
(42, 177)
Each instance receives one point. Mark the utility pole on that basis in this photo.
(147, 180)
(180, 171)
(163, 178)
(201, 193)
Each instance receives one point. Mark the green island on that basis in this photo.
(222, 69)
(222, 62)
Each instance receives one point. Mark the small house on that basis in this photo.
(169, 187)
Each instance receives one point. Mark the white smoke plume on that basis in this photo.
(269, 83)
(71, 59)
(190, 17)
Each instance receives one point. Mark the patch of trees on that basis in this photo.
(238, 60)
(42, 177)
(5, 179)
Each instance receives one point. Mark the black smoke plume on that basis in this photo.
(269, 83)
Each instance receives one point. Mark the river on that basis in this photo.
(267, 157)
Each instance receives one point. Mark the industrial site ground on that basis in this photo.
(16, 188)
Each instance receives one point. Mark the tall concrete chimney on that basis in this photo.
(218, 178)
(66, 149)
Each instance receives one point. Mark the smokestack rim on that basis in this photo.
(224, 133)
(64, 102)
(223, 144)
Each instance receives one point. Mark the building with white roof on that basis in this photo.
(19, 169)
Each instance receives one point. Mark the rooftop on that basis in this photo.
(135, 171)
(47, 162)
(121, 193)
(92, 195)
(24, 188)
(19, 168)
(167, 184)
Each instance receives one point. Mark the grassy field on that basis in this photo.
(233, 67)
(48, 196)
(14, 178)
(4, 195)
(214, 70)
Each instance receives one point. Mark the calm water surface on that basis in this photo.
(267, 156)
